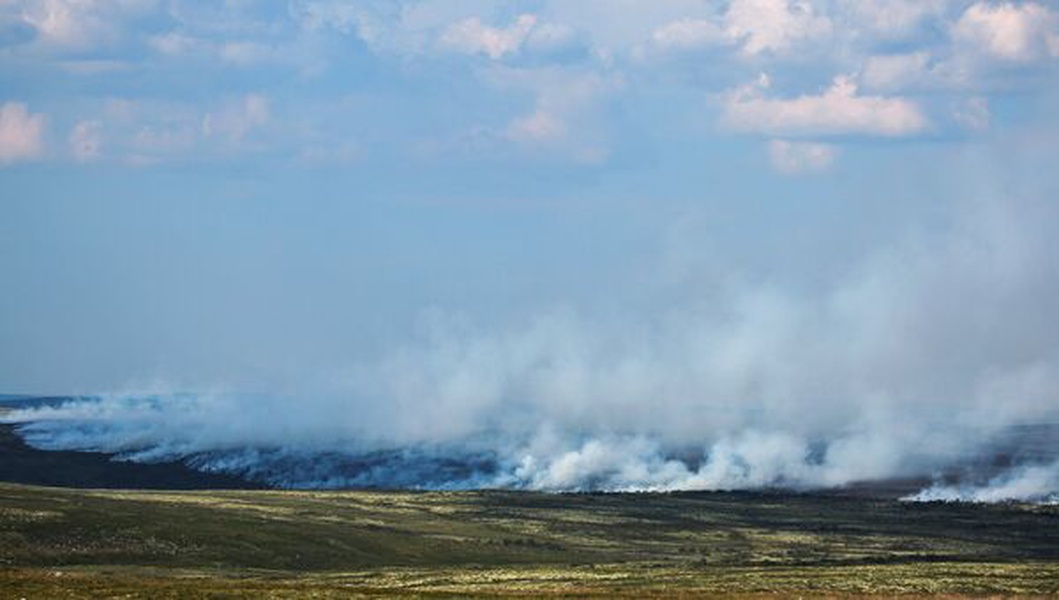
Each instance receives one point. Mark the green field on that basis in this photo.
(59, 543)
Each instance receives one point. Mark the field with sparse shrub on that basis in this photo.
(64, 543)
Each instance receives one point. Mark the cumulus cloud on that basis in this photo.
(756, 26)
(473, 37)
(839, 110)
(604, 39)
(64, 22)
(687, 33)
(1009, 32)
(81, 24)
(796, 157)
(21, 133)
(326, 14)
(890, 20)
(613, 29)
(389, 28)
(894, 72)
(775, 26)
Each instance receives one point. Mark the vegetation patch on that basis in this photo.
(64, 543)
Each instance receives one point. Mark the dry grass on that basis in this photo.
(57, 543)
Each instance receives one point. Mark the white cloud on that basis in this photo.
(567, 119)
(896, 71)
(422, 28)
(689, 33)
(890, 20)
(393, 27)
(237, 119)
(837, 111)
(80, 24)
(1009, 32)
(546, 38)
(797, 157)
(61, 21)
(236, 53)
(473, 37)
(175, 44)
(757, 26)
(146, 132)
(613, 27)
(21, 133)
(86, 140)
(775, 26)
(537, 126)
(319, 14)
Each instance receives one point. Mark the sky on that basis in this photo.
(266, 196)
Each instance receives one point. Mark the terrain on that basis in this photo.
(23, 464)
(166, 530)
(67, 543)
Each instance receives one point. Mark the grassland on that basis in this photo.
(63, 543)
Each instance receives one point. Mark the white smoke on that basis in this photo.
(915, 360)
(1037, 483)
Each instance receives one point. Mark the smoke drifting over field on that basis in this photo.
(916, 362)
(1036, 483)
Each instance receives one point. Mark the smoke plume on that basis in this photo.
(917, 362)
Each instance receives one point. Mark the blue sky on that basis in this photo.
(248, 194)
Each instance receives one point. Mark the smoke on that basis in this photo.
(1037, 483)
(916, 361)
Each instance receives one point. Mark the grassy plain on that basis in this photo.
(65, 543)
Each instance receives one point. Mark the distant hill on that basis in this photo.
(12, 401)
(20, 463)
